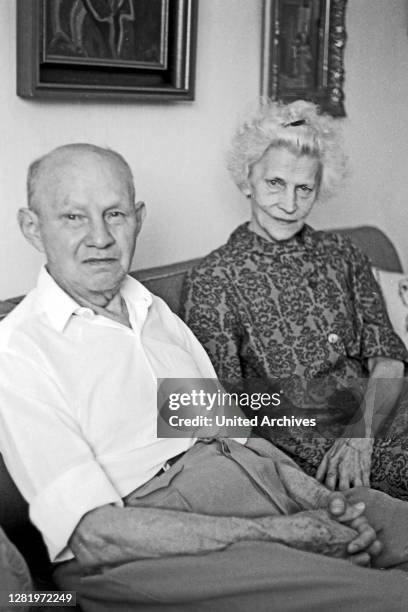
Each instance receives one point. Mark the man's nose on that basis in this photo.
(288, 201)
(99, 234)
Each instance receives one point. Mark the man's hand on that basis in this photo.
(341, 531)
(365, 545)
(346, 464)
(310, 494)
(312, 530)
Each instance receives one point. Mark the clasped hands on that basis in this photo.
(348, 464)
(336, 529)
(365, 545)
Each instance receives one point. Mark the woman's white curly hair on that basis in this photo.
(299, 128)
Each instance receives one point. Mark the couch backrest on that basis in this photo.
(165, 281)
(376, 245)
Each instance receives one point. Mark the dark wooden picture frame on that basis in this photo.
(302, 52)
(92, 49)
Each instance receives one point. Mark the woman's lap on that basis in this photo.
(389, 467)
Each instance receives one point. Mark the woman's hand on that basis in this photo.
(346, 464)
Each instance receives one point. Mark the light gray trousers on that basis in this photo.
(226, 479)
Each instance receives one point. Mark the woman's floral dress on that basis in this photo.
(301, 317)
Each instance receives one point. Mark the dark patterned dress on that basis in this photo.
(301, 317)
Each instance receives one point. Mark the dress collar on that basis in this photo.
(59, 306)
(246, 239)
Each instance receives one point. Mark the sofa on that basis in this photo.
(165, 281)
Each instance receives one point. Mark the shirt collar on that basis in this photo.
(54, 301)
(59, 306)
(133, 292)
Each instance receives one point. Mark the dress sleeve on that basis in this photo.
(378, 338)
(46, 454)
(209, 310)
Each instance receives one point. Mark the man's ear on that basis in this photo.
(246, 189)
(140, 214)
(30, 226)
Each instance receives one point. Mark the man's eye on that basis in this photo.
(73, 217)
(115, 216)
(305, 188)
(273, 182)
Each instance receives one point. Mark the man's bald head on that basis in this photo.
(82, 215)
(48, 170)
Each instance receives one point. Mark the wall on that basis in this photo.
(376, 128)
(177, 151)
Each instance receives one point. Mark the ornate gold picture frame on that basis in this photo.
(302, 52)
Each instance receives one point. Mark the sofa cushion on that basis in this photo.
(17, 527)
(14, 574)
(394, 287)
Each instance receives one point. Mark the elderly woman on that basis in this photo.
(296, 310)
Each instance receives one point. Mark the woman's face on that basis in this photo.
(283, 188)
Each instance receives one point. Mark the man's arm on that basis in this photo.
(109, 535)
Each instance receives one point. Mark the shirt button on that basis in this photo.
(85, 312)
(333, 338)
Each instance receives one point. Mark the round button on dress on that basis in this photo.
(333, 338)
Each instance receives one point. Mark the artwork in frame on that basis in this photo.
(106, 49)
(302, 52)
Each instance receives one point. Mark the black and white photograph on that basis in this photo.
(204, 305)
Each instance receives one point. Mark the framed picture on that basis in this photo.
(302, 52)
(106, 49)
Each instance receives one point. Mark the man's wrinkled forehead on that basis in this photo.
(58, 172)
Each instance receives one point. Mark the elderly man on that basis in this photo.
(133, 521)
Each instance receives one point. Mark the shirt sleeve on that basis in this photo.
(210, 312)
(378, 338)
(47, 455)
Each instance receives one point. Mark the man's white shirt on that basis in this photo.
(78, 407)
